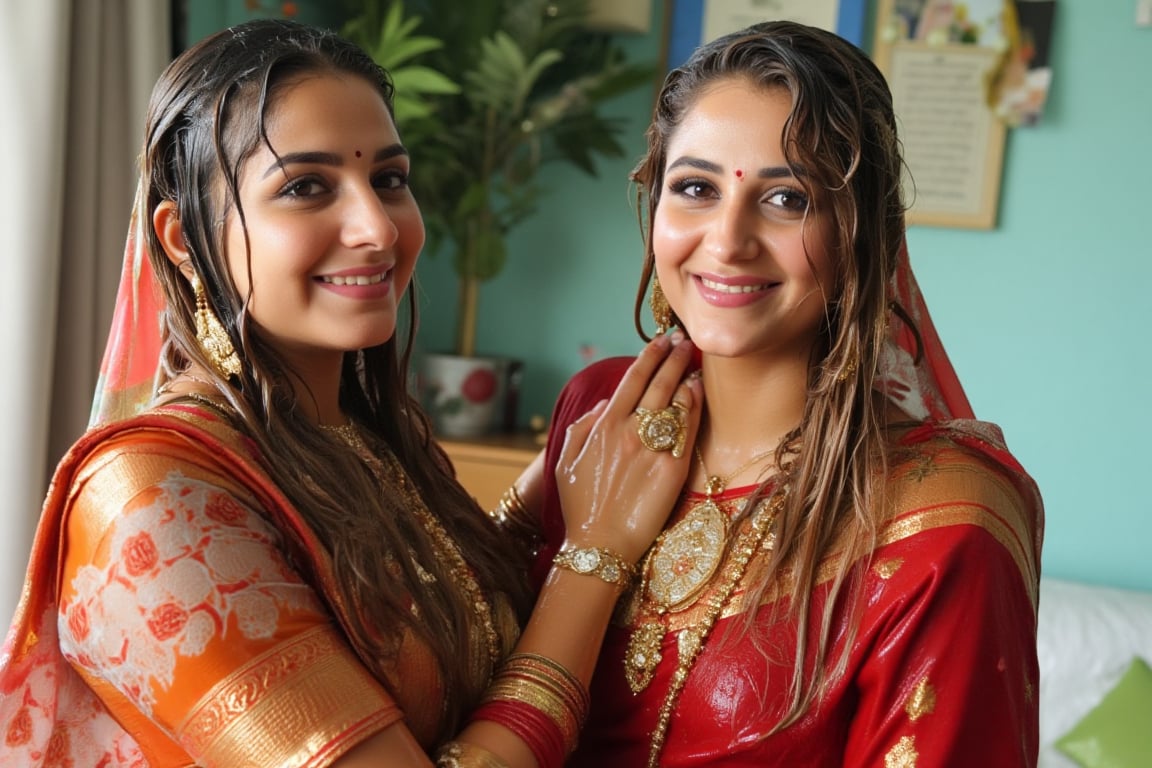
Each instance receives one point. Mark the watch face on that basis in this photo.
(586, 560)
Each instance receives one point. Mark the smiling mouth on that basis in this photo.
(724, 288)
(355, 279)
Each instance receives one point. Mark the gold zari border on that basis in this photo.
(299, 704)
(1000, 513)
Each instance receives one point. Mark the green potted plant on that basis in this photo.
(488, 92)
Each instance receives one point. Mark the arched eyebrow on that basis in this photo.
(328, 158)
(770, 172)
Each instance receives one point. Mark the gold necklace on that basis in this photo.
(349, 434)
(446, 549)
(166, 387)
(680, 564)
(691, 639)
(715, 485)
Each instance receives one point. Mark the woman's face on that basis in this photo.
(333, 227)
(732, 248)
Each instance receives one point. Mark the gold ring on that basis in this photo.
(665, 429)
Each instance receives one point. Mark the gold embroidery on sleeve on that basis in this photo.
(924, 468)
(903, 755)
(886, 569)
(922, 700)
(300, 704)
(992, 521)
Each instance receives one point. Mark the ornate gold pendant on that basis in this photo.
(643, 655)
(688, 555)
(686, 558)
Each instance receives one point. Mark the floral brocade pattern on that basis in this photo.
(186, 565)
(53, 719)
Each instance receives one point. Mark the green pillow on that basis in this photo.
(1117, 733)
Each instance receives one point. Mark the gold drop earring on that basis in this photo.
(210, 333)
(661, 311)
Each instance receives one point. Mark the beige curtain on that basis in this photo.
(75, 77)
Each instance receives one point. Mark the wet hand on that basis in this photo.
(618, 485)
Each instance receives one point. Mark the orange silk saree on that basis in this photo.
(177, 611)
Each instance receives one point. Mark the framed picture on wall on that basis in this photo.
(692, 22)
(941, 59)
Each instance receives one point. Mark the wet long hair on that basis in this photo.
(206, 119)
(840, 136)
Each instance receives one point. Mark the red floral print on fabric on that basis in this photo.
(225, 509)
(187, 565)
(167, 621)
(139, 554)
(19, 730)
(78, 622)
(58, 750)
(51, 719)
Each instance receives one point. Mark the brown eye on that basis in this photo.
(789, 199)
(304, 186)
(691, 187)
(390, 180)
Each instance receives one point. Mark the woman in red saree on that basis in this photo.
(258, 555)
(850, 575)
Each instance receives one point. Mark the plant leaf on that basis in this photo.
(523, 85)
(422, 80)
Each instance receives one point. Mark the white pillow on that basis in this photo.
(1086, 638)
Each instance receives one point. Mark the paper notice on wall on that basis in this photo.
(940, 95)
(724, 16)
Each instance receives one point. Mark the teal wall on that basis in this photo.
(1047, 317)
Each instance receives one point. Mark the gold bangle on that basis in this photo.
(538, 695)
(558, 675)
(513, 503)
(461, 754)
(546, 686)
(511, 509)
(602, 563)
(511, 516)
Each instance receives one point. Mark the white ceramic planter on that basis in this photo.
(465, 396)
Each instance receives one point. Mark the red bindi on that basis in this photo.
(740, 174)
(357, 153)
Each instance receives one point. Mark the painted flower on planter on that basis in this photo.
(287, 10)
(479, 386)
(462, 395)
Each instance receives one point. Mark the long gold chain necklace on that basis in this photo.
(683, 559)
(446, 549)
(681, 562)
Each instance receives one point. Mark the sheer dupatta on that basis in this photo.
(130, 368)
(48, 715)
(915, 372)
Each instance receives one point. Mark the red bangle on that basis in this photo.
(533, 727)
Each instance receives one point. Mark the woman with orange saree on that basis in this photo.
(258, 555)
(850, 575)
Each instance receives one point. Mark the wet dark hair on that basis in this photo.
(840, 137)
(207, 117)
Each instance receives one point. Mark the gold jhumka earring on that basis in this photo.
(661, 311)
(211, 334)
